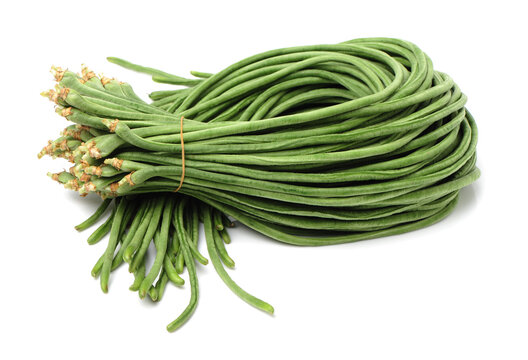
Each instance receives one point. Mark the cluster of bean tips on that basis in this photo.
(77, 143)
(170, 221)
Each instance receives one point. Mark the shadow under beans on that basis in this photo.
(467, 198)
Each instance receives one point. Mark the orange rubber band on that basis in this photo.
(183, 156)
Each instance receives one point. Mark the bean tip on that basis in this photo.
(154, 295)
(57, 72)
(127, 256)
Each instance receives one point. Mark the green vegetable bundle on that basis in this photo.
(311, 145)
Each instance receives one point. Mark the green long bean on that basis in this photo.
(310, 145)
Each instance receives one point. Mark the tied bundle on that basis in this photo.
(310, 145)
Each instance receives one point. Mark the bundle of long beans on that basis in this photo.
(311, 145)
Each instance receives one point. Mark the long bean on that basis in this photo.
(309, 145)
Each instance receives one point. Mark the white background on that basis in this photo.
(456, 290)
